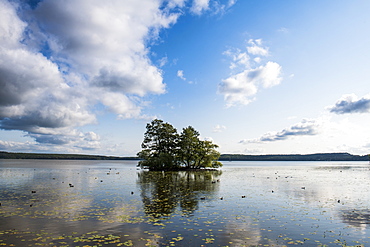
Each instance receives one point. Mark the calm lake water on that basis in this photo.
(113, 203)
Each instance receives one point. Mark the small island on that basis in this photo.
(163, 149)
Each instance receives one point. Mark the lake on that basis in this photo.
(114, 203)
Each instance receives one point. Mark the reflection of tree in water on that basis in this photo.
(357, 218)
(162, 192)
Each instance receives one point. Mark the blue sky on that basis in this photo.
(256, 77)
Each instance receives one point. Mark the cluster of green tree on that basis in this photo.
(295, 157)
(8, 155)
(164, 149)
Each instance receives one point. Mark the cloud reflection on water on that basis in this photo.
(279, 203)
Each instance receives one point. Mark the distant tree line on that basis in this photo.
(223, 157)
(9, 155)
(164, 149)
(295, 157)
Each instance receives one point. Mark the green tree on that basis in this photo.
(159, 146)
(195, 153)
(189, 145)
(208, 156)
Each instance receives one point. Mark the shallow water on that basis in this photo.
(113, 203)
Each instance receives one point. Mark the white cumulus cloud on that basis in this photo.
(180, 74)
(256, 48)
(199, 6)
(307, 127)
(60, 58)
(351, 103)
(242, 86)
(219, 128)
(213, 6)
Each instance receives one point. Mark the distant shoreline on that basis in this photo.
(10, 155)
(295, 157)
(223, 157)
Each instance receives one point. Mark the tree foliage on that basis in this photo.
(164, 149)
(159, 146)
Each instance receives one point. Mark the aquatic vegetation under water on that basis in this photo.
(112, 204)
